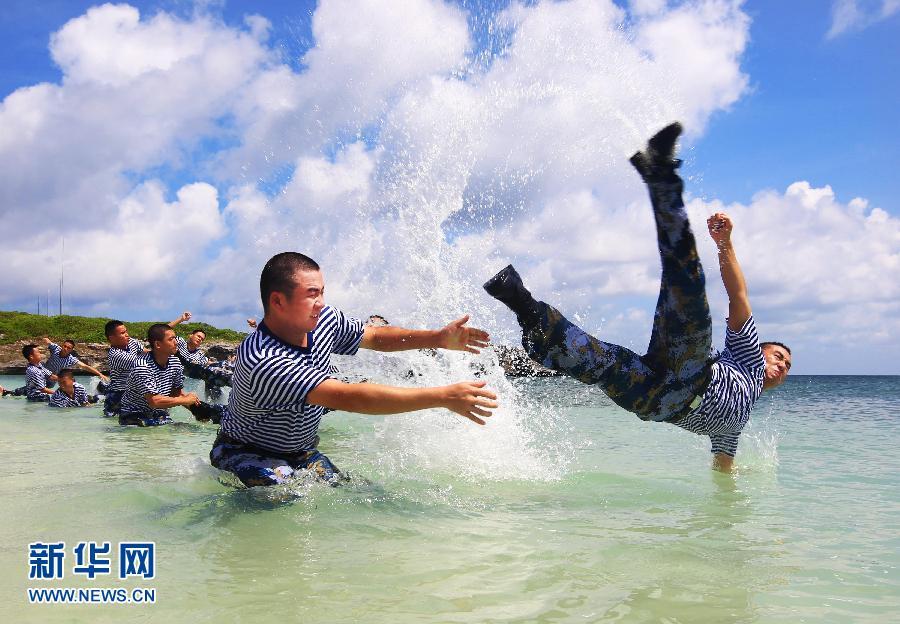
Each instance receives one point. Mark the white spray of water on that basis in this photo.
(521, 440)
(759, 439)
(461, 169)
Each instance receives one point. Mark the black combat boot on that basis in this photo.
(657, 163)
(206, 412)
(507, 288)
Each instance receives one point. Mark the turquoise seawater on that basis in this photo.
(609, 519)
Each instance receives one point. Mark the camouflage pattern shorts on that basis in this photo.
(255, 466)
(155, 418)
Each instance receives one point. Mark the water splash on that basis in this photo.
(458, 164)
(523, 439)
(759, 439)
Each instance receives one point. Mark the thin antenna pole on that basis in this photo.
(61, 261)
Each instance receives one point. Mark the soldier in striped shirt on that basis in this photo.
(37, 377)
(676, 381)
(155, 382)
(61, 357)
(282, 383)
(196, 364)
(123, 353)
(70, 393)
(189, 350)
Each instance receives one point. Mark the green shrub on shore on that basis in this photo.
(16, 326)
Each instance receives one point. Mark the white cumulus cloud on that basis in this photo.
(136, 96)
(855, 15)
(821, 272)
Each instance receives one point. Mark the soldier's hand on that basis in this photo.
(457, 336)
(470, 399)
(191, 399)
(720, 227)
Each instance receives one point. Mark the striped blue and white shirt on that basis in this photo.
(56, 362)
(78, 398)
(267, 406)
(736, 384)
(120, 362)
(37, 376)
(148, 377)
(193, 357)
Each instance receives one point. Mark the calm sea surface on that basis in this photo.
(565, 509)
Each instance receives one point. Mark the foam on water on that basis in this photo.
(759, 440)
(521, 440)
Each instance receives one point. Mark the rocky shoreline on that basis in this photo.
(514, 360)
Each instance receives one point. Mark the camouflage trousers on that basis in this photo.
(214, 377)
(255, 466)
(153, 418)
(662, 383)
(113, 403)
(207, 412)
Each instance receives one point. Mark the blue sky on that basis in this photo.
(796, 98)
(820, 109)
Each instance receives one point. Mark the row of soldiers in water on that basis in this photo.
(124, 352)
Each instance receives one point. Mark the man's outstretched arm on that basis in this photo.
(184, 318)
(176, 397)
(456, 336)
(467, 398)
(720, 227)
(92, 370)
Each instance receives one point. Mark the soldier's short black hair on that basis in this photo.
(111, 326)
(278, 274)
(66, 372)
(27, 349)
(157, 332)
(763, 345)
